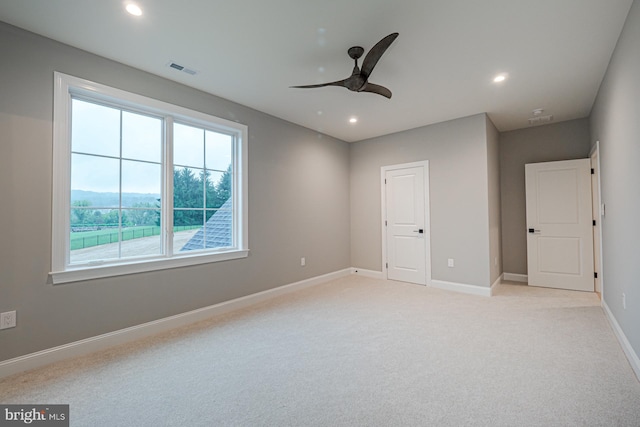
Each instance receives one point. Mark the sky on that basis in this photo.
(99, 134)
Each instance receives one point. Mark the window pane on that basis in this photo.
(95, 174)
(218, 229)
(140, 233)
(95, 129)
(94, 234)
(182, 235)
(188, 230)
(187, 218)
(188, 188)
(84, 217)
(218, 150)
(142, 218)
(95, 200)
(141, 137)
(215, 189)
(188, 146)
(142, 178)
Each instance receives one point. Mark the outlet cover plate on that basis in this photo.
(8, 320)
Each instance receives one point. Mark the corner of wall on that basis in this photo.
(494, 200)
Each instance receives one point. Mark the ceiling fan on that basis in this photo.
(358, 81)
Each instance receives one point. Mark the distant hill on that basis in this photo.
(111, 200)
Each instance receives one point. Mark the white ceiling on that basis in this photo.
(440, 68)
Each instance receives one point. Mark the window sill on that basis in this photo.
(97, 272)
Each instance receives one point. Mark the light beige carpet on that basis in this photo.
(360, 352)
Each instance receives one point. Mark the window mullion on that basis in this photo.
(120, 196)
(167, 186)
(235, 195)
(205, 178)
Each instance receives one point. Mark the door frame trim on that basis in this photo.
(427, 218)
(596, 149)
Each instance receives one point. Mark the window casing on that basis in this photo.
(142, 185)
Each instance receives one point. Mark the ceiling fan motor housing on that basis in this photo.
(355, 52)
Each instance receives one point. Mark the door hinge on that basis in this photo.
(387, 265)
(593, 172)
(594, 222)
(595, 275)
(385, 180)
(385, 223)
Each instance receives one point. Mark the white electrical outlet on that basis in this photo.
(450, 262)
(8, 320)
(303, 261)
(624, 301)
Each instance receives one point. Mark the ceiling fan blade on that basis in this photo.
(380, 90)
(375, 53)
(336, 83)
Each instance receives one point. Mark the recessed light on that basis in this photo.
(134, 9)
(353, 120)
(500, 78)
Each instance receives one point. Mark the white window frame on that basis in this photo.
(61, 270)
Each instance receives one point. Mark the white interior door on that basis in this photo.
(560, 235)
(406, 244)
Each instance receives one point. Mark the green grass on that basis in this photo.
(88, 239)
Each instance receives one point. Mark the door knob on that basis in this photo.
(533, 230)
(419, 231)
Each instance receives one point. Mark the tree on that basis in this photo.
(188, 192)
(189, 189)
(96, 217)
(80, 215)
(112, 218)
(137, 217)
(224, 186)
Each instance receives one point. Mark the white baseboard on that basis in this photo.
(512, 277)
(495, 284)
(367, 273)
(633, 358)
(461, 287)
(101, 342)
(450, 286)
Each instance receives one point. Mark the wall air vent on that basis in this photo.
(182, 68)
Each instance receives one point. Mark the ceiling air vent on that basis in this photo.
(182, 68)
(540, 119)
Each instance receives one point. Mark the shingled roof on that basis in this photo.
(216, 233)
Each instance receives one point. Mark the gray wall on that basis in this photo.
(493, 187)
(559, 141)
(457, 154)
(298, 206)
(615, 122)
